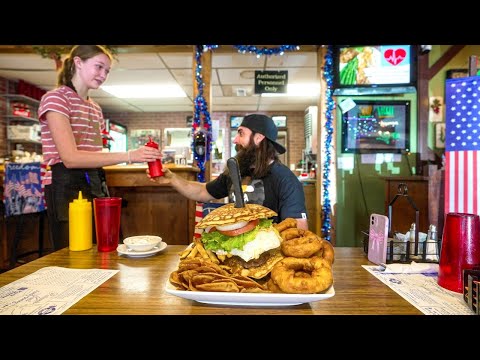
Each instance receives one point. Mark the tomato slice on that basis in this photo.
(250, 226)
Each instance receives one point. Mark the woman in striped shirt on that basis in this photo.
(71, 129)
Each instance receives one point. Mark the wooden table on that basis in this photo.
(138, 288)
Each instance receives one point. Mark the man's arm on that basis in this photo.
(303, 224)
(192, 190)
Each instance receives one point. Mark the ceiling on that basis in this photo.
(231, 79)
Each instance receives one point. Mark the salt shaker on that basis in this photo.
(432, 233)
(154, 167)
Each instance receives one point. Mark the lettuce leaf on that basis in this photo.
(216, 241)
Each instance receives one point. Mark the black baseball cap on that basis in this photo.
(264, 125)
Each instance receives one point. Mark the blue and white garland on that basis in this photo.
(252, 49)
(330, 107)
(201, 111)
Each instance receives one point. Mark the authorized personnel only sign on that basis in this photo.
(271, 82)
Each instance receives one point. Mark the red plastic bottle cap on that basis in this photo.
(151, 143)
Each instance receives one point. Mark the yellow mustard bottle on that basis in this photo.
(80, 224)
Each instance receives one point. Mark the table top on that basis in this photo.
(139, 287)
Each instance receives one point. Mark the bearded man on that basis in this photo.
(265, 180)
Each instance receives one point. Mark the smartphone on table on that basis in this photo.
(377, 239)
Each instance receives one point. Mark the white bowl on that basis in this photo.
(142, 242)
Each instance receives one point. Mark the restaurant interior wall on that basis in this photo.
(360, 186)
(162, 120)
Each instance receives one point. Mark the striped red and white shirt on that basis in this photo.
(86, 120)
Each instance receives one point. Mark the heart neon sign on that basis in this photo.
(395, 57)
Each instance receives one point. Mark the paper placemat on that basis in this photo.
(50, 291)
(423, 292)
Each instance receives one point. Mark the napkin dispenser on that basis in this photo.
(471, 288)
(413, 249)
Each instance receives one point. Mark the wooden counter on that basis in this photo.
(150, 208)
(139, 287)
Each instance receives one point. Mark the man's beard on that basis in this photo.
(246, 158)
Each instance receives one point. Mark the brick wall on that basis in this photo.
(162, 120)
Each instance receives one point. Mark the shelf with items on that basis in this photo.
(23, 126)
(22, 118)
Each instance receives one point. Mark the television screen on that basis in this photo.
(376, 126)
(379, 69)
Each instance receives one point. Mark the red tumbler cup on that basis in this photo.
(460, 249)
(154, 167)
(107, 214)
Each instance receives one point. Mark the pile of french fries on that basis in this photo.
(196, 249)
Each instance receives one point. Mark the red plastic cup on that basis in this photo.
(107, 212)
(460, 249)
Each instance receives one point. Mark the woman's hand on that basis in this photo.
(145, 154)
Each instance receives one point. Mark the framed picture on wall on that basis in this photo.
(280, 120)
(440, 135)
(457, 73)
(235, 121)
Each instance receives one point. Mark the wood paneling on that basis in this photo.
(150, 208)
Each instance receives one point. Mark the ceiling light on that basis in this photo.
(144, 91)
(305, 90)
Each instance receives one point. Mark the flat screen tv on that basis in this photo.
(377, 126)
(374, 69)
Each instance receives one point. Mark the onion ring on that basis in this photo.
(300, 243)
(286, 224)
(314, 275)
(326, 252)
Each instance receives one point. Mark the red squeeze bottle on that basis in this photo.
(154, 167)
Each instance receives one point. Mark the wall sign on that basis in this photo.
(271, 82)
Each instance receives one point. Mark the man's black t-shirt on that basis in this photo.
(279, 190)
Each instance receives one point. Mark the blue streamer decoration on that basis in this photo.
(280, 50)
(330, 106)
(201, 113)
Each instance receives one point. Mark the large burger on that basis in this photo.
(244, 237)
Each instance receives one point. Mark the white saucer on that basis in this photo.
(123, 250)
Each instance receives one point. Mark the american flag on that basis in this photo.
(462, 145)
